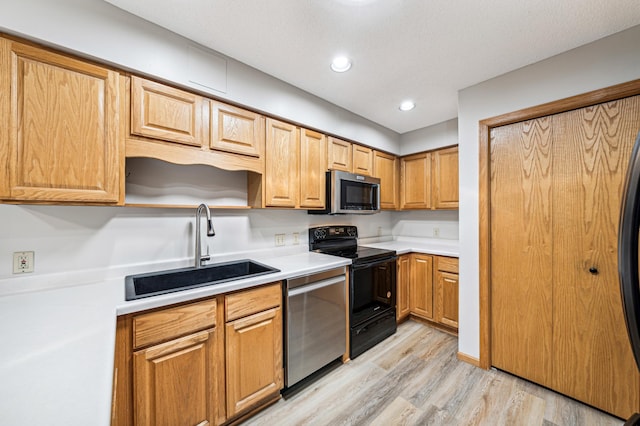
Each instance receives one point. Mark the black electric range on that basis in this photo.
(372, 284)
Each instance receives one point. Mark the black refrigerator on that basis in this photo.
(628, 257)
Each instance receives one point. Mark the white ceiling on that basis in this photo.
(425, 50)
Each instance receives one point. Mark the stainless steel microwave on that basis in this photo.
(349, 193)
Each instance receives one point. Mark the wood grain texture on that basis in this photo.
(339, 155)
(446, 296)
(445, 178)
(386, 167)
(165, 324)
(313, 152)
(122, 394)
(248, 302)
(485, 126)
(447, 264)
(63, 128)
(282, 164)
(590, 344)
(403, 280)
(415, 180)
(254, 359)
(5, 110)
(163, 112)
(521, 249)
(421, 285)
(362, 160)
(174, 382)
(236, 130)
(414, 378)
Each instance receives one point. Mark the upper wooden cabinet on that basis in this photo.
(445, 178)
(236, 130)
(415, 190)
(339, 155)
(60, 140)
(281, 164)
(385, 167)
(162, 112)
(362, 160)
(313, 149)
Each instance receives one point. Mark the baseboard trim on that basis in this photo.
(468, 359)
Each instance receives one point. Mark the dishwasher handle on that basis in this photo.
(316, 285)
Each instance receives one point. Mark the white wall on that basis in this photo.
(69, 239)
(609, 61)
(432, 137)
(98, 29)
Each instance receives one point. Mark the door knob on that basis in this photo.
(593, 270)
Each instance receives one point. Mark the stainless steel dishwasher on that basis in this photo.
(315, 326)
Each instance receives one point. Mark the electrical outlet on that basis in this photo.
(280, 239)
(436, 232)
(296, 238)
(23, 262)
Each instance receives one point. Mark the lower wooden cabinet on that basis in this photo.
(421, 286)
(254, 359)
(427, 288)
(403, 276)
(207, 362)
(446, 291)
(174, 382)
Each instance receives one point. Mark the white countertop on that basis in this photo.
(403, 245)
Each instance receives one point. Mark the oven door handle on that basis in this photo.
(372, 264)
(315, 286)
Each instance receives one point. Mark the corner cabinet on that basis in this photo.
(445, 178)
(403, 279)
(61, 138)
(421, 286)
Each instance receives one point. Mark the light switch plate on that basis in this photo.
(23, 262)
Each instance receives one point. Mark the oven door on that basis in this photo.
(372, 290)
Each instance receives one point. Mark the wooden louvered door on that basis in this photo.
(556, 309)
(592, 359)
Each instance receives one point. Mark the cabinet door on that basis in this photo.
(362, 160)
(445, 178)
(403, 277)
(60, 139)
(174, 382)
(340, 155)
(313, 149)
(385, 167)
(421, 287)
(236, 130)
(281, 165)
(446, 298)
(254, 359)
(416, 181)
(162, 112)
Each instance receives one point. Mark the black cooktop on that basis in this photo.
(343, 241)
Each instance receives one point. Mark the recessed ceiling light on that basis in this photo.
(341, 64)
(407, 106)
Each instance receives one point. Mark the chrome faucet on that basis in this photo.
(200, 259)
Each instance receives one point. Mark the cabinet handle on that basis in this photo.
(593, 270)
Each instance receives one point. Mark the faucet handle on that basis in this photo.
(206, 257)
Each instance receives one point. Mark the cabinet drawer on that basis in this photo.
(249, 302)
(447, 264)
(166, 324)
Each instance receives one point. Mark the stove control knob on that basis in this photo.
(351, 232)
(320, 234)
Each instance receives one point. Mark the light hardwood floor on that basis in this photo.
(414, 378)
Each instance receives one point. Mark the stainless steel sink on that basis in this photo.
(155, 283)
